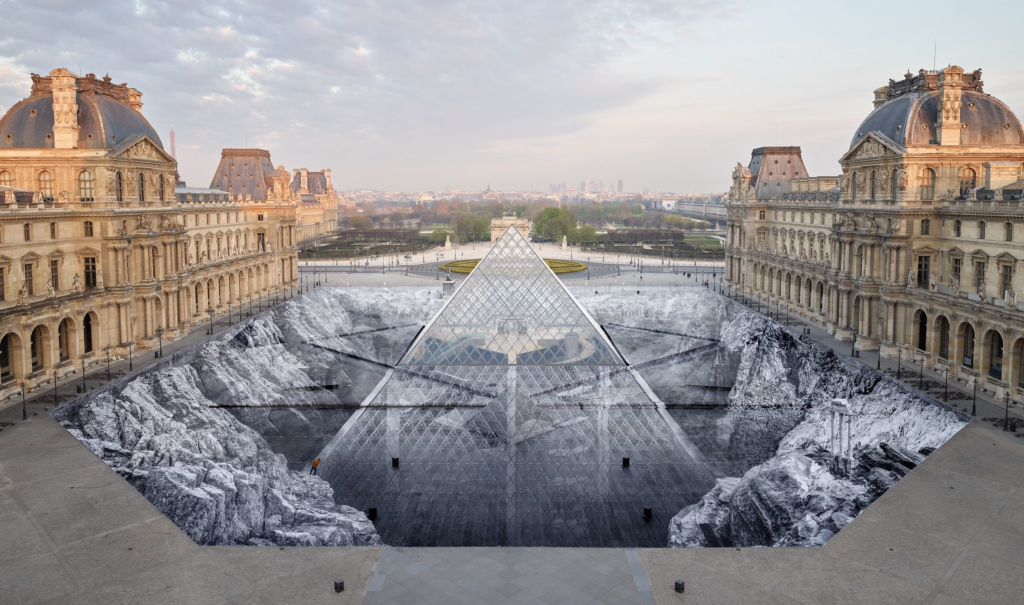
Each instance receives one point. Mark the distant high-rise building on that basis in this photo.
(620, 186)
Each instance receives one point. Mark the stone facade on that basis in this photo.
(914, 250)
(500, 225)
(98, 252)
(317, 203)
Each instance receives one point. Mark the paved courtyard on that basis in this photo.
(951, 532)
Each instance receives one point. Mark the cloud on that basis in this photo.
(396, 88)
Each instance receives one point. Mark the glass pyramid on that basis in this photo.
(506, 421)
(512, 310)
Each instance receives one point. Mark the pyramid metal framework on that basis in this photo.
(505, 424)
(512, 310)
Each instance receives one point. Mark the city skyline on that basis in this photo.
(429, 96)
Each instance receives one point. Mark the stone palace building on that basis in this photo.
(915, 249)
(99, 253)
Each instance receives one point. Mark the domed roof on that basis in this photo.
(103, 120)
(909, 120)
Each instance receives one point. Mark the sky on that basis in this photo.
(429, 94)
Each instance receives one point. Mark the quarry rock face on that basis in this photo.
(213, 476)
(799, 497)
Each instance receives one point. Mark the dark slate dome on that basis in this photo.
(909, 120)
(103, 121)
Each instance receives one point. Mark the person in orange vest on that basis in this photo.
(316, 463)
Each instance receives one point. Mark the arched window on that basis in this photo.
(6, 372)
(86, 186)
(922, 331)
(36, 348)
(142, 187)
(63, 343)
(874, 185)
(928, 184)
(6, 179)
(957, 228)
(118, 186)
(995, 352)
(46, 185)
(87, 333)
(968, 356)
(968, 181)
(943, 338)
(161, 190)
(27, 231)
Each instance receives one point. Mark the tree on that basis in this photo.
(360, 222)
(585, 235)
(438, 236)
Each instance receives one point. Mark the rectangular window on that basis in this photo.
(3, 286)
(1007, 279)
(979, 277)
(762, 241)
(88, 228)
(28, 232)
(90, 271)
(981, 230)
(926, 227)
(957, 267)
(29, 286)
(261, 244)
(923, 264)
(1009, 232)
(53, 230)
(55, 274)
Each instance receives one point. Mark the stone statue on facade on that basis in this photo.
(63, 197)
(981, 287)
(870, 224)
(971, 195)
(956, 285)
(76, 283)
(99, 279)
(1007, 296)
(50, 292)
(911, 278)
(9, 197)
(23, 294)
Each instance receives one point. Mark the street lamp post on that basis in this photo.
(1006, 416)
(899, 364)
(209, 313)
(974, 402)
(920, 379)
(945, 394)
(229, 311)
(55, 389)
(130, 366)
(83, 375)
(24, 408)
(259, 300)
(160, 339)
(107, 349)
(250, 306)
(853, 345)
(239, 308)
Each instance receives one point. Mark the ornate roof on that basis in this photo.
(105, 116)
(910, 112)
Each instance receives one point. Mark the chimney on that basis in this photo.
(304, 183)
(880, 96)
(135, 100)
(327, 173)
(65, 109)
(947, 125)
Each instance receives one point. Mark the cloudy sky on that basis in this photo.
(428, 94)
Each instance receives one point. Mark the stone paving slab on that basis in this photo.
(952, 531)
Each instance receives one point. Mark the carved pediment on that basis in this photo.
(956, 252)
(142, 148)
(1006, 257)
(873, 145)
